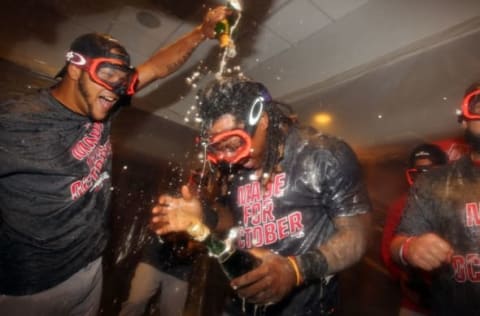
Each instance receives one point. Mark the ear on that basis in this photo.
(464, 124)
(73, 72)
(263, 123)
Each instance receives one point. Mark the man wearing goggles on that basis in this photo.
(440, 227)
(233, 145)
(55, 175)
(422, 159)
(276, 172)
(414, 287)
(112, 73)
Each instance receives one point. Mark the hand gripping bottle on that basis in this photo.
(234, 262)
(222, 29)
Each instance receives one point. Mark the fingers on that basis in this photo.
(186, 193)
(172, 214)
(255, 286)
(263, 284)
(429, 251)
(160, 220)
(212, 18)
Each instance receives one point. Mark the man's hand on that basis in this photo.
(211, 18)
(428, 252)
(172, 214)
(270, 282)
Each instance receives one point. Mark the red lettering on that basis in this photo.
(267, 213)
(247, 214)
(257, 214)
(472, 216)
(87, 144)
(268, 191)
(248, 193)
(241, 196)
(279, 184)
(248, 237)
(473, 263)
(282, 225)
(295, 222)
(241, 238)
(257, 236)
(76, 189)
(256, 195)
(270, 233)
(458, 264)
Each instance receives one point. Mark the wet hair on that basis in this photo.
(235, 96)
(428, 151)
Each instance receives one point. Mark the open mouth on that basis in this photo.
(107, 102)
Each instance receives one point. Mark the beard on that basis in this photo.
(84, 93)
(473, 140)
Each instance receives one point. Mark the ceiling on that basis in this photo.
(386, 71)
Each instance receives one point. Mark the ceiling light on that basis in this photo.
(322, 119)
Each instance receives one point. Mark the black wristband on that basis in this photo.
(313, 265)
(210, 218)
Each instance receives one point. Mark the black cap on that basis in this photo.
(96, 45)
(428, 151)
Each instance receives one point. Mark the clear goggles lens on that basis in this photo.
(413, 173)
(230, 147)
(116, 77)
(111, 73)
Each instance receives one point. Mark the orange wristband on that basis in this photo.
(294, 265)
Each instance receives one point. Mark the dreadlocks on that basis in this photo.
(235, 96)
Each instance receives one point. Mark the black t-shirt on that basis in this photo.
(446, 202)
(320, 180)
(55, 184)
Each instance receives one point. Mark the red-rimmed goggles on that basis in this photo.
(111, 73)
(230, 146)
(413, 173)
(234, 145)
(471, 106)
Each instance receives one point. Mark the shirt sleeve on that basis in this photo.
(343, 181)
(416, 219)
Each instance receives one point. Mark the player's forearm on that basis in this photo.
(347, 246)
(167, 60)
(342, 250)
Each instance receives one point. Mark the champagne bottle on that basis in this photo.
(234, 262)
(222, 29)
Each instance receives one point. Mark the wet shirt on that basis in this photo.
(446, 202)
(320, 179)
(55, 168)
